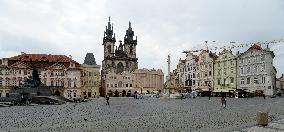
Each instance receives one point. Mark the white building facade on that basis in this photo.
(190, 71)
(256, 72)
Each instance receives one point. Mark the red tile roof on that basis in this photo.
(195, 57)
(42, 57)
(256, 46)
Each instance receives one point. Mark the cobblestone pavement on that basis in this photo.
(274, 126)
(127, 114)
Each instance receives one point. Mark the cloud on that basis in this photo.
(163, 26)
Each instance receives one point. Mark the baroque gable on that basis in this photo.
(56, 66)
(20, 65)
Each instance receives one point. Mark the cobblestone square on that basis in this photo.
(128, 114)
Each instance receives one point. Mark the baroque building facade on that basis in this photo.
(118, 59)
(90, 76)
(190, 70)
(59, 72)
(280, 83)
(256, 72)
(225, 72)
(179, 73)
(147, 81)
(205, 71)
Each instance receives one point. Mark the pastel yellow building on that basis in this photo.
(90, 77)
(225, 73)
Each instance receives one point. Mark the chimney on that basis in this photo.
(70, 56)
(22, 53)
(267, 47)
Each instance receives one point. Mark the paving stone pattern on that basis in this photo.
(128, 114)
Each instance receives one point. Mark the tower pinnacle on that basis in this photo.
(108, 34)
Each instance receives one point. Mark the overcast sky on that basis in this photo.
(75, 27)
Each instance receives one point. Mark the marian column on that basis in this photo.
(169, 66)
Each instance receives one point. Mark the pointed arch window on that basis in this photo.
(120, 68)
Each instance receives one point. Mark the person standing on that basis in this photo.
(223, 101)
(181, 97)
(209, 92)
(107, 99)
(263, 96)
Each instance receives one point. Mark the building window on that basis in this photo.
(248, 80)
(262, 57)
(74, 93)
(255, 80)
(1, 82)
(126, 85)
(263, 68)
(7, 94)
(242, 81)
(219, 82)
(248, 69)
(25, 72)
(69, 93)
(263, 80)
(130, 85)
(115, 85)
(14, 82)
(69, 83)
(232, 80)
(255, 69)
(242, 70)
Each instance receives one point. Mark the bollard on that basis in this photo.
(262, 118)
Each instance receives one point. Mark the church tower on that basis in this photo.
(109, 41)
(130, 43)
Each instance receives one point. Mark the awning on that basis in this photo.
(223, 90)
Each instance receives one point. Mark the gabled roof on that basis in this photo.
(56, 66)
(256, 46)
(195, 57)
(20, 65)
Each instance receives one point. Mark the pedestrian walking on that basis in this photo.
(181, 97)
(223, 101)
(210, 93)
(107, 99)
(263, 96)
